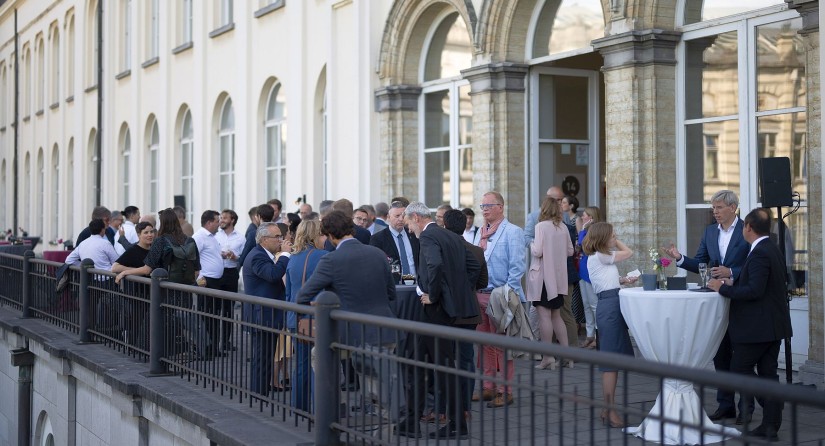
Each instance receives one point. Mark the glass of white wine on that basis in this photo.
(703, 274)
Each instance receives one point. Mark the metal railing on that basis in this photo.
(351, 391)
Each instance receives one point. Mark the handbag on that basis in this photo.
(306, 324)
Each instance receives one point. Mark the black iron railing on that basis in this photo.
(352, 391)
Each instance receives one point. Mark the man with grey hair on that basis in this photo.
(264, 277)
(439, 214)
(98, 213)
(723, 249)
(381, 211)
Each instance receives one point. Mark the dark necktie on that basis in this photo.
(402, 251)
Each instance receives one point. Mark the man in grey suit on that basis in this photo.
(360, 275)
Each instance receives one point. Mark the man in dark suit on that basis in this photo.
(398, 239)
(264, 277)
(447, 272)
(759, 315)
(723, 249)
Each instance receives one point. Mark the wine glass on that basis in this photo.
(396, 271)
(703, 273)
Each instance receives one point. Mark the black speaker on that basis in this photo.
(775, 182)
(180, 200)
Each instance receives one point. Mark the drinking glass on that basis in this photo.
(703, 273)
(396, 271)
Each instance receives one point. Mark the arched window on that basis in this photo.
(26, 84)
(92, 47)
(70, 56)
(40, 201)
(91, 174)
(703, 10)
(125, 160)
(446, 121)
(40, 87)
(566, 25)
(276, 142)
(154, 167)
(226, 135)
(55, 179)
(70, 183)
(187, 168)
(3, 193)
(55, 66)
(3, 95)
(25, 188)
(126, 27)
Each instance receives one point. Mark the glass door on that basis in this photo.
(564, 135)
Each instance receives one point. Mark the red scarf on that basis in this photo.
(487, 232)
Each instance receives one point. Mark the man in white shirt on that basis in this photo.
(232, 244)
(210, 276)
(131, 217)
(470, 228)
(96, 247)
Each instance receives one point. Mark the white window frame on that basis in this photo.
(325, 149)
(55, 65)
(280, 125)
(187, 173)
(745, 26)
(594, 174)
(228, 134)
(56, 193)
(126, 153)
(127, 35)
(187, 22)
(154, 29)
(154, 167)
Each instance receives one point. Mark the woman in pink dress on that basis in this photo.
(547, 278)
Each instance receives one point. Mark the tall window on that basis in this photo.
(4, 94)
(55, 66)
(55, 178)
(70, 181)
(40, 201)
(744, 99)
(70, 56)
(25, 189)
(446, 120)
(154, 151)
(93, 160)
(226, 135)
(125, 157)
(92, 46)
(225, 12)
(26, 84)
(185, 22)
(3, 192)
(276, 142)
(154, 29)
(40, 87)
(187, 170)
(126, 26)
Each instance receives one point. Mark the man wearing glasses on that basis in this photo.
(503, 245)
(264, 277)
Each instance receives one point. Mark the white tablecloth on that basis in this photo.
(683, 328)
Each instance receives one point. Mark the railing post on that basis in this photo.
(327, 369)
(27, 283)
(85, 300)
(157, 342)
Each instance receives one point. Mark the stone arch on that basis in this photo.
(405, 33)
(503, 27)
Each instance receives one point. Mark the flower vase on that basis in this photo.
(662, 279)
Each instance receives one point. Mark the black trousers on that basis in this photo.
(447, 387)
(721, 362)
(211, 305)
(229, 282)
(764, 356)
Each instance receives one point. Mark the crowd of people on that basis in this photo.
(495, 278)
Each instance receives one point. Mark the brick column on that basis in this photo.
(397, 107)
(640, 136)
(498, 96)
(813, 371)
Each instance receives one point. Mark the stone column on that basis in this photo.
(498, 96)
(640, 136)
(813, 371)
(397, 107)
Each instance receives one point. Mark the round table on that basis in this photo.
(682, 328)
(56, 256)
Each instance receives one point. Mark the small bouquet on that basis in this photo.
(659, 262)
(56, 242)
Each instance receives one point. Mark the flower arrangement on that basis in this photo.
(56, 242)
(659, 262)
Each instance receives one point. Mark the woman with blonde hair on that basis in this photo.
(547, 278)
(604, 250)
(590, 215)
(306, 252)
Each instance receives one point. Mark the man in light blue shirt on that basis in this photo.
(95, 247)
(503, 245)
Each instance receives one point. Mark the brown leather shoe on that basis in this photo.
(501, 400)
(485, 395)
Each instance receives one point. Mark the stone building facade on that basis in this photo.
(642, 107)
